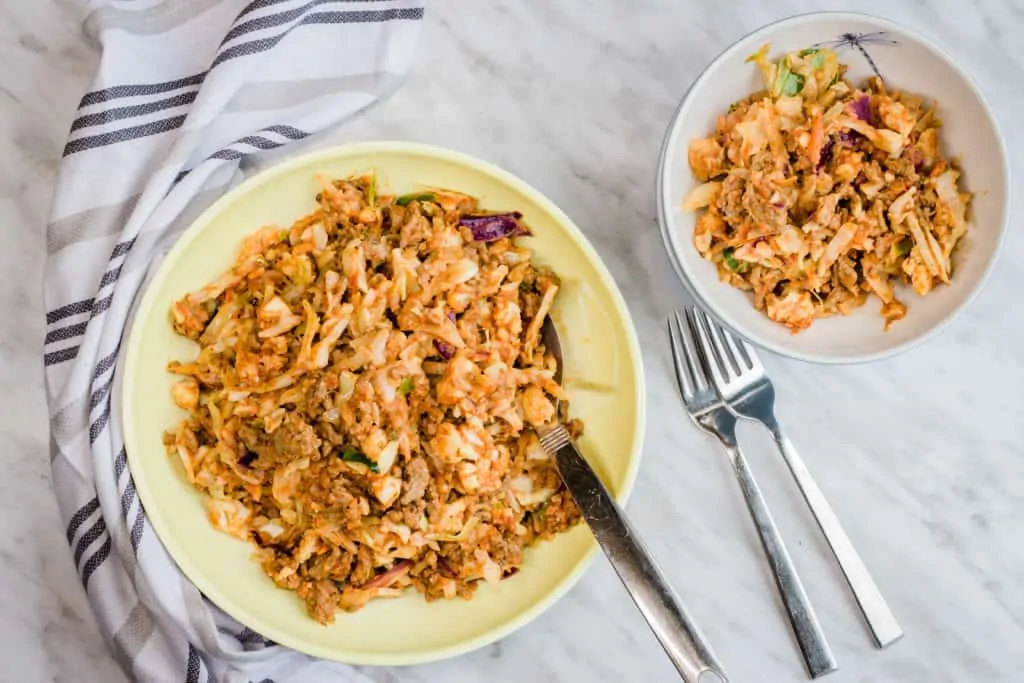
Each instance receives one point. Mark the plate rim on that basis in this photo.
(159, 521)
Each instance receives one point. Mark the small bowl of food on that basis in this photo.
(834, 188)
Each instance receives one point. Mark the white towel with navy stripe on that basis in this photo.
(189, 93)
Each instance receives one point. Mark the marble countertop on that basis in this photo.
(922, 456)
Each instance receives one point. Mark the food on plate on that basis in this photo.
(365, 400)
(816, 194)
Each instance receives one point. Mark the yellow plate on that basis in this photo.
(602, 372)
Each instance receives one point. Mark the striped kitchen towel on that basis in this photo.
(188, 92)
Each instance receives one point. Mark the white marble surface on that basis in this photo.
(922, 456)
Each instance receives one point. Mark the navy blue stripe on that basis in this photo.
(258, 141)
(120, 113)
(69, 310)
(98, 528)
(118, 91)
(248, 636)
(95, 561)
(252, 47)
(264, 44)
(258, 4)
(97, 427)
(61, 356)
(122, 248)
(127, 498)
(270, 20)
(65, 333)
(287, 131)
(120, 463)
(111, 276)
(80, 516)
(78, 329)
(267, 20)
(138, 528)
(228, 155)
(367, 16)
(253, 6)
(101, 305)
(97, 396)
(123, 135)
(106, 363)
(192, 671)
(86, 305)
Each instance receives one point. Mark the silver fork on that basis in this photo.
(741, 382)
(709, 413)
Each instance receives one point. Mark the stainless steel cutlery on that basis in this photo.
(721, 380)
(741, 382)
(709, 412)
(671, 623)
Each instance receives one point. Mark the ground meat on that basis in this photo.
(413, 513)
(505, 550)
(730, 198)
(321, 598)
(257, 441)
(417, 476)
(295, 438)
(318, 396)
(363, 570)
(558, 515)
(341, 498)
(329, 565)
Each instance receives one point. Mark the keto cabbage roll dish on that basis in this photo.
(365, 399)
(817, 194)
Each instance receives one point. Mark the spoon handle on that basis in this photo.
(668, 619)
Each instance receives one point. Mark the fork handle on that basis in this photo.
(815, 649)
(884, 628)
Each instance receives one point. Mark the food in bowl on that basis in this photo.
(817, 194)
(364, 403)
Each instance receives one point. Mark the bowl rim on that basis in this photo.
(697, 291)
(159, 521)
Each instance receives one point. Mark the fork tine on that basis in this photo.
(730, 367)
(678, 345)
(713, 356)
(748, 353)
(737, 358)
(691, 354)
(694, 353)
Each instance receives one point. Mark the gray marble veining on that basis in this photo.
(920, 455)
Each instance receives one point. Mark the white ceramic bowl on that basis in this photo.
(906, 61)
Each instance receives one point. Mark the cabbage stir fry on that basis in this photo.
(817, 194)
(364, 402)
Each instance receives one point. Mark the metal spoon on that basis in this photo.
(665, 614)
